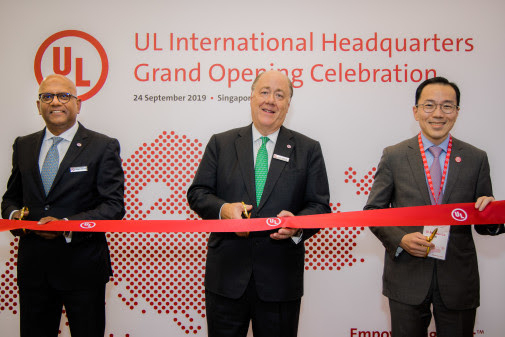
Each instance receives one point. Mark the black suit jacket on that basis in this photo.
(400, 181)
(94, 194)
(226, 174)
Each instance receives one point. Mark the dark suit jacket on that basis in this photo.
(400, 182)
(94, 194)
(226, 174)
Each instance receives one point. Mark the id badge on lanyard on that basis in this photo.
(441, 238)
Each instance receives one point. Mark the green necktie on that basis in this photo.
(261, 169)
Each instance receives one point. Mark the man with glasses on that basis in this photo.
(435, 265)
(63, 172)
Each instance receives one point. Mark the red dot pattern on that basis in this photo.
(8, 285)
(364, 185)
(170, 160)
(331, 248)
(166, 270)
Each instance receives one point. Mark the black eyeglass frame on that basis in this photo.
(60, 95)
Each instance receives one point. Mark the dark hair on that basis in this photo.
(437, 80)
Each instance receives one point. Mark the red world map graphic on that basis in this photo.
(163, 273)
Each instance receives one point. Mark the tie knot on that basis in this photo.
(435, 151)
(264, 140)
(56, 140)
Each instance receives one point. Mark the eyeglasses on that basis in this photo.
(446, 108)
(63, 97)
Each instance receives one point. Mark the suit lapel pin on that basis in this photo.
(289, 146)
(458, 159)
(78, 144)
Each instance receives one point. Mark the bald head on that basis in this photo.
(61, 80)
(274, 72)
(59, 116)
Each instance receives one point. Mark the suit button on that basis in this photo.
(46, 208)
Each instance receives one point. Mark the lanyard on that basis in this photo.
(427, 169)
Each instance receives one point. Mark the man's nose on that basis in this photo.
(270, 98)
(56, 101)
(438, 111)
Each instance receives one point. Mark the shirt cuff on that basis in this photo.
(10, 215)
(398, 251)
(67, 234)
(297, 238)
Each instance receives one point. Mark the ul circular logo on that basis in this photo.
(459, 214)
(87, 225)
(274, 222)
(74, 54)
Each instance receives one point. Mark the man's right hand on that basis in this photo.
(416, 244)
(234, 211)
(16, 215)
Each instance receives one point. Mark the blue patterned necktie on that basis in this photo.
(436, 174)
(261, 169)
(51, 164)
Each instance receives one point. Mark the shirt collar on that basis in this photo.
(427, 144)
(67, 135)
(257, 135)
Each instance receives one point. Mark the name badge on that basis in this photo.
(279, 157)
(78, 169)
(441, 240)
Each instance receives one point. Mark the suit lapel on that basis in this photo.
(37, 144)
(453, 170)
(283, 147)
(417, 168)
(77, 145)
(244, 150)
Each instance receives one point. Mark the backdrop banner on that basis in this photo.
(162, 77)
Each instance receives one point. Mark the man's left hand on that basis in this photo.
(482, 202)
(48, 234)
(285, 233)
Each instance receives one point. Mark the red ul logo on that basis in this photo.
(80, 46)
(459, 214)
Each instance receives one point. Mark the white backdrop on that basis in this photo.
(157, 289)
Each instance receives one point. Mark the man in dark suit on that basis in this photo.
(258, 276)
(407, 176)
(63, 172)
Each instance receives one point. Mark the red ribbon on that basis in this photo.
(439, 215)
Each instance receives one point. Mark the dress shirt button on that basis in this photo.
(46, 208)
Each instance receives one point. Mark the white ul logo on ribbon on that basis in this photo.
(459, 214)
(87, 225)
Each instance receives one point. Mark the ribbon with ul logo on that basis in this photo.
(447, 214)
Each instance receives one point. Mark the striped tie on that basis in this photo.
(50, 166)
(436, 174)
(261, 169)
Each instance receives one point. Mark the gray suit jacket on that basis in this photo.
(226, 174)
(400, 182)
